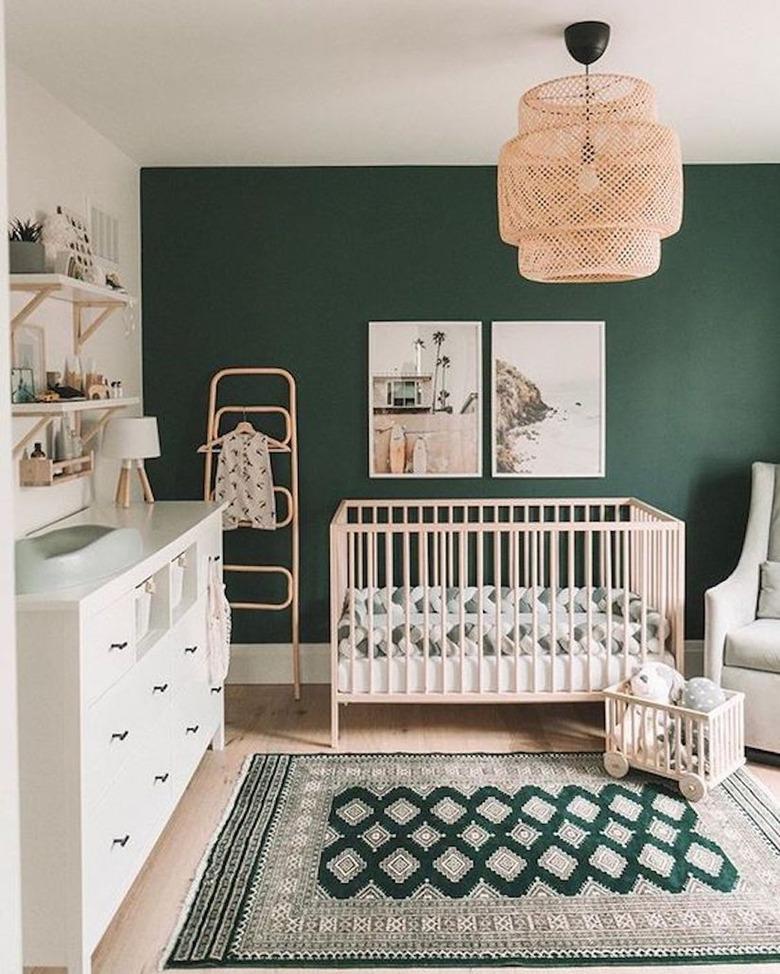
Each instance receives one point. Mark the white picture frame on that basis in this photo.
(437, 407)
(565, 362)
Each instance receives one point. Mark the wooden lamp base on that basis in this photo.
(122, 496)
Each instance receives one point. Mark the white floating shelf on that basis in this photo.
(60, 287)
(63, 406)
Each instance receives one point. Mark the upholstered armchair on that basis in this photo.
(741, 650)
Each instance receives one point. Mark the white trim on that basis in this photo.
(602, 471)
(477, 325)
(269, 663)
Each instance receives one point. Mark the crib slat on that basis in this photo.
(497, 596)
(389, 589)
(352, 541)
(372, 650)
(426, 612)
(589, 602)
(623, 538)
(514, 538)
(534, 606)
(570, 573)
(607, 543)
(443, 613)
(480, 606)
(554, 542)
(463, 553)
(407, 606)
(643, 580)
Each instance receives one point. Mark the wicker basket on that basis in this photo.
(696, 749)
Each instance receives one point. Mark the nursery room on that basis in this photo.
(391, 486)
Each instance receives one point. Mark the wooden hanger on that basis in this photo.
(245, 428)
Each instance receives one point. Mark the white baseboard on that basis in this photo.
(272, 662)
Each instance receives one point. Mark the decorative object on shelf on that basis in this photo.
(28, 351)
(424, 398)
(74, 375)
(56, 236)
(22, 385)
(82, 264)
(98, 390)
(132, 440)
(548, 412)
(39, 471)
(592, 183)
(26, 253)
(38, 452)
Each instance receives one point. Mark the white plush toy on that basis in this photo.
(641, 728)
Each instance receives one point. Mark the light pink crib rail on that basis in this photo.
(443, 548)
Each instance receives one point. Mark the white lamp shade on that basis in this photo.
(132, 438)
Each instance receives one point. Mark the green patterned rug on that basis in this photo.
(477, 859)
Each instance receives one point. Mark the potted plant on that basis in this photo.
(25, 249)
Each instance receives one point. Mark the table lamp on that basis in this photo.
(132, 440)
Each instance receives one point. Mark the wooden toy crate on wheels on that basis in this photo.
(698, 750)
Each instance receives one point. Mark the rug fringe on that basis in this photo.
(194, 881)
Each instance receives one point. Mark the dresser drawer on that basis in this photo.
(189, 647)
(123, 826)
(193, 725)
(108, 649)
(130, 719)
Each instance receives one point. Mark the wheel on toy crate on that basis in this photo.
(615, 764)
(692, 787)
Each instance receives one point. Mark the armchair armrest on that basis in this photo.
(728, 606)
(733, 602)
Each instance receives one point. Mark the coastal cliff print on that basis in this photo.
(424, 398)
(548, 417)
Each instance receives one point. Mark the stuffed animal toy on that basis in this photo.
(642, 728)
(702, 694)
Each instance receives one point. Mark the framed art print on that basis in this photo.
(425, 398)
(548, 399)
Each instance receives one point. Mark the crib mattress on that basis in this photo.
(505, 674)
(588, 622)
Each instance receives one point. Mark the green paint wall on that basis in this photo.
(285, 266)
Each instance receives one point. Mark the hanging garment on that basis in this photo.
(218, 625)
(245, 481)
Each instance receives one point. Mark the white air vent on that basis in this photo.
(104, 234)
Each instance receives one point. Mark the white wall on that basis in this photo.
(10, 912)
(55, 158)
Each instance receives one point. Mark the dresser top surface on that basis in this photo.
(161, 525)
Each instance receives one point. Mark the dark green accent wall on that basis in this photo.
(286, 267)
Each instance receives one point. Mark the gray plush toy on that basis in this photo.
(702, 694)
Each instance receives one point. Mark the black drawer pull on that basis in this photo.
(119, 735)
(190, 649)
(216, 689)
(159, 688)
(123, 841)
(119, 646)
(161, 777)
(192, 730)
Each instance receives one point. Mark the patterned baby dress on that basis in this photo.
(245, 482)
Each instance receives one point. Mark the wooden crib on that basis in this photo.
(499, 601)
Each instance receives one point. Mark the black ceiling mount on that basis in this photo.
(587, 40)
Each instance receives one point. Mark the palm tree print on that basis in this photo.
(438, 339)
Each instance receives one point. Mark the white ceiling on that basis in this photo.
(372, 82)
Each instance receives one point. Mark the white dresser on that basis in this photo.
(115, 712)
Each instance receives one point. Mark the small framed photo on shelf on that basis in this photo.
(22, 385)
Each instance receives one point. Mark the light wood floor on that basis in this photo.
(266, 718)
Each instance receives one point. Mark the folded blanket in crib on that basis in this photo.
(586, 620)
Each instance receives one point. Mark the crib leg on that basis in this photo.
(334, 721)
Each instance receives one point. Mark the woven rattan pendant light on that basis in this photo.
(592, 183)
